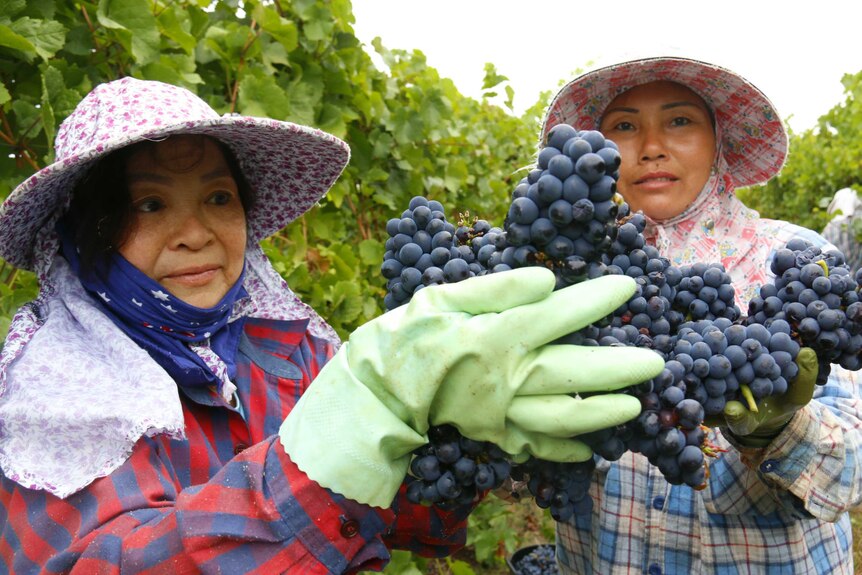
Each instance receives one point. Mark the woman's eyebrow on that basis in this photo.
(668, 106)
(684, 103)
(220, 172)
(135, 177)
(621, 109)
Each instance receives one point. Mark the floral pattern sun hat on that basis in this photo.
(290, 167)
(754, 141)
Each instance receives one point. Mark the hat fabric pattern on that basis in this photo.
(289, 167)
(754, 140)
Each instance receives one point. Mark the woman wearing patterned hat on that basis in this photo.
(168, 405)
(776, 500)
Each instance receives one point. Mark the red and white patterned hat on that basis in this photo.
(290, 167)
(754, 141)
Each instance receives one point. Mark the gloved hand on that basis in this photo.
(474, 354)
(758, 429)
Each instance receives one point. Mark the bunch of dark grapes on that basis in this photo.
(537, 560)
(562, 488)
(451, 469)
(424, 249)
(817, 295)
(705, 292)
(566, 216)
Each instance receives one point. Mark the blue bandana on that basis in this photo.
(160, 323)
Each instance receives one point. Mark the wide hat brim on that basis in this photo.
(290, 167)
(754, 140)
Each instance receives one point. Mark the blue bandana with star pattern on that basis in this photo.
(160, 323)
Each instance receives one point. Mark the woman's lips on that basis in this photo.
(193, 277)
(656, 181)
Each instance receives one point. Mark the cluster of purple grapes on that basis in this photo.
(562, 488)
(816, 294)
(425, 249)
(535, 560)
(566, 216)
(563, 214)
(451, 469)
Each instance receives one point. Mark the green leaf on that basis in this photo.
(166, 70)
(46, 9)
(4, 94)
(27, 118)
(346, 300)
(492, 78)
(303, 100)
(135, 17)
(79, 41)
(176, 25)
(12, 39)
(283, 30)
(9, 8)
(330, 120)
(47, 36)
(274, 53)
(260, 95)
(460, 568)
(318, 23)
(52, 82)
(376, 174)
(371, 252)
(510, 97)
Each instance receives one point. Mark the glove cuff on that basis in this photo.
(345, 439)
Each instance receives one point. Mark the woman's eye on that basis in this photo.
(148, 206)
(681, 121)
(221, 198)
(623, 126)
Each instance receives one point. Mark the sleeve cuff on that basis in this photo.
(342, 534)
(783, 462)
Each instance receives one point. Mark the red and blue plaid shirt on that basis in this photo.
(225, 500)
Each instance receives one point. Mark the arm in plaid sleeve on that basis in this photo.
(818, 457)
(187, 507)
(258, 514)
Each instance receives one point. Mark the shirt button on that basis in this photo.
(769, 465)
(349, 528)
(654, 569)
(239, 448)
(658, 503)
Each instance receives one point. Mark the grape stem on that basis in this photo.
(749, 398)
(825, 267)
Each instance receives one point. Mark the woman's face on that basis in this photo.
(667, 143)
(187, 230)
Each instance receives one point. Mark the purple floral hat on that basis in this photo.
(290, 167)
(754, 141)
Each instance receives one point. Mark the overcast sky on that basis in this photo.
(796, 54)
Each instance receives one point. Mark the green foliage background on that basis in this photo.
(410, 131)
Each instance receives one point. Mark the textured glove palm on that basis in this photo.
(759, 428)
(475, 354)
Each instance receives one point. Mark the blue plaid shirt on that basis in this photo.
(778, 510)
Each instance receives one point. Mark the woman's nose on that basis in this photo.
(651, 145)
(192, 231)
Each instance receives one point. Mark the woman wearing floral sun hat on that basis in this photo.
(168, 405)
(776, 500)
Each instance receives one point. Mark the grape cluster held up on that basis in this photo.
(567, 216)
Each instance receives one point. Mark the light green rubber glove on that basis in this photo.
(759, 428)
(474, 354)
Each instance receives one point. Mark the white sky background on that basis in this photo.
(796, 53)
